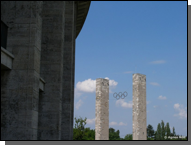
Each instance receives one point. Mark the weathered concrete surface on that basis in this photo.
(41, 36)
(20, 86)
(102, 109)
(139, 107)
(50, 107)
(68, 71)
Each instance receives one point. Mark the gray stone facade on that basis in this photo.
(139, 107)
(102, 109)
(37, 68)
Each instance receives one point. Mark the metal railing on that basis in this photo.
(4, 29)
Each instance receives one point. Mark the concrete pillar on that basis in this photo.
(50, 107)
(20, 86)
(68, 71)
(102, 109)
(139, 107)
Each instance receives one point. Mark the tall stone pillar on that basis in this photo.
(50, 101)
(139, 107)
(20, 85)
(102, 109)
(68, 71)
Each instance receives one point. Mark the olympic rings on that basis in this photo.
(120, 95)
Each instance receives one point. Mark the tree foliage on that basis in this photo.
(173, 131)
(168, 132)
(158, 132)
(163, 130)
(82, 133)
(128, 137)
(150, 131)
(113, 135)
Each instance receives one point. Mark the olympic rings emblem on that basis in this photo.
(120, 95)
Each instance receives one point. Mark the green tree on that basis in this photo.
(173, 131)
(158, 133)
(128, 137)
(162, 130)
(79, 130)
(150, 131)
(168, 132)
(89, 134)
(82, 133)
(113, 135)
(155, 134)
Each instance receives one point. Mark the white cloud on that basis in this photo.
(158, 62)
(90, 121)
(155, 106)
(128, 72)
(154, 84)
(78, 104)
(113, 123)
(112, 84)
(162, 97)
(77, 93)
(122, 124)
(176, 106)
(124, 104)
(89, 86)
(107, 78)
(181, 111)
(117, 124)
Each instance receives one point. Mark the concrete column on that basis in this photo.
(102, 109)
(68, 71)
(139, 107)
(20, 86)
(50, 107)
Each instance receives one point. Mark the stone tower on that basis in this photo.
(139, 107)
(102, 109)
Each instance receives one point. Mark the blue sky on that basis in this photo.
(120, 38)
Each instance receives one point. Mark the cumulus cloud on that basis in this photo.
(89, 86)
(77, 93)
(112, 84)
(182, 113)
(158, 62)
(124, 104)
(162, 97)
(90, 121)
(117, 124)
(154, 84)
(78, 104)
(113, 123)
(122, 124)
